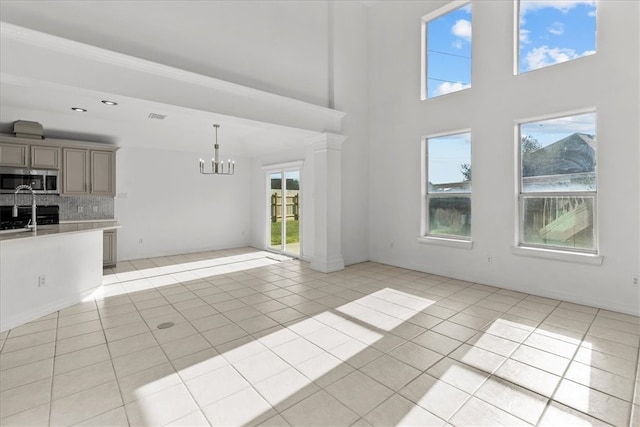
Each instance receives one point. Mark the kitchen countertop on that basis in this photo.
(85, 221)
(62, 228)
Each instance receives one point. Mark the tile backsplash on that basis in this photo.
(72, 208)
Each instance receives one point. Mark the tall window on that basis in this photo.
(447, 58)
(551, 32)
(558, 183)
(448, 187)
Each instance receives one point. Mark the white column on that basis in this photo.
(327, 149)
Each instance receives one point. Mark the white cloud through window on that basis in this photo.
(562, 5)
(449, 87)
(543, 56)
(462, 29)
(557, 28)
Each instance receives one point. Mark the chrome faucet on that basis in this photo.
(14, 212)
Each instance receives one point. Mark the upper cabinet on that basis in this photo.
(87, 168)
(29, 156)
(14, 155)
(75, 171)
(88, 172)
(45, 157)
(103, 173)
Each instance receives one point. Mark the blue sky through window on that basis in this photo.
(449, 52)
(555, 31)
(547, 132)
(446, 154)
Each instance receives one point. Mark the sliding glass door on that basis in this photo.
(284, 212)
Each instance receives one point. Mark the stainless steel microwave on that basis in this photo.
(42, 181)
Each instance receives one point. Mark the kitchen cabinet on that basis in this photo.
(45, 157)
(29, 156)
(75, 171)
(88, 172)
(14, 155)
(86, 168)
(103, 181)
(109, 248)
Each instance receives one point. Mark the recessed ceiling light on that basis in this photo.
(109, 102)
(79, 110)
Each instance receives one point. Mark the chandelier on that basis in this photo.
(217, 164)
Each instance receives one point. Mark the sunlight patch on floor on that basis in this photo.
(329, 340)
(149, 278)
(385, 309)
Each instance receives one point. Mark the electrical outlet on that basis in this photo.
(140, 241)
(80, 209)
(95, 209)
(42, 281)
(489, 259)
(635, 281)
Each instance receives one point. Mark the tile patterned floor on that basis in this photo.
(261, 341)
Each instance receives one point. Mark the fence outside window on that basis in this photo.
(292, 207)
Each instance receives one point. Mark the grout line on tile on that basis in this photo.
(636, 390)
(53, 367)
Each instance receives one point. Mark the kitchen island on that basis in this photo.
(47, 270)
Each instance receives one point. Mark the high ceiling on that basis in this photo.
(44, 76)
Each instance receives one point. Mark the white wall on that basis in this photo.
(607, 81)
(174, 209)
(351, 95)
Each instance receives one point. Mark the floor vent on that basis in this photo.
(166, 325)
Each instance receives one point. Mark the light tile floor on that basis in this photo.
(261, 340)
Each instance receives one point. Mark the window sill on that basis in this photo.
(576, 257)
(443, 241)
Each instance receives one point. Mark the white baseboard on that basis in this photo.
(327, 265)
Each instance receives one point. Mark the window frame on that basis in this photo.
(522, 195)
(425, 234)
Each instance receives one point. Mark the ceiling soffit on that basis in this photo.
(45, 58)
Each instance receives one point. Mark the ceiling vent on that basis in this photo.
(157, 116)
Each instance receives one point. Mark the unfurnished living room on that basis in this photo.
(319, 213)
